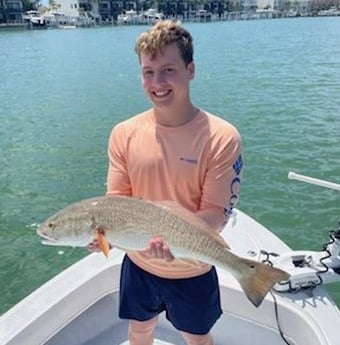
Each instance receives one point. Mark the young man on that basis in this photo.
(173, 151)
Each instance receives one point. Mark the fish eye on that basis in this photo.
(50, 225)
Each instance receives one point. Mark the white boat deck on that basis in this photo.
(155, 342)
(108, 329)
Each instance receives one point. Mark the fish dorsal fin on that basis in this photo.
(191, 218)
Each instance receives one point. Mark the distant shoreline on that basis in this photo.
(229, 16)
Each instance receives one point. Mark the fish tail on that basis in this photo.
(259, 279)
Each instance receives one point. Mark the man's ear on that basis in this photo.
(191, 69)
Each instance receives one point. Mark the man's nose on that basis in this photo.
(159, 77)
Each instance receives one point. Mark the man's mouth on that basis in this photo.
(161, 94)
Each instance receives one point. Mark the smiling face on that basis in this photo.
(166, 78)
(165, 53)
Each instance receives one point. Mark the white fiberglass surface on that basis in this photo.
(100, 325)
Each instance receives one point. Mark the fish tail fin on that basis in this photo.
(259, 280)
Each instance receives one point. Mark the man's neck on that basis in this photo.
(175, 117)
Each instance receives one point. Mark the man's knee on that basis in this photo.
(141, 332)
(198, 339)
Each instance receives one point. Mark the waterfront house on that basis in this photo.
(70, 13)
(69, 8)
(90, 9)
(109, 9)
(11, 11)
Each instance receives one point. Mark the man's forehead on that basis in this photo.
(169, 53)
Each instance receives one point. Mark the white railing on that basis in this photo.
(312, 180)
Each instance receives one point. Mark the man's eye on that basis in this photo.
(148, 73)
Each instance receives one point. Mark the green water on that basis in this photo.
(61, 91)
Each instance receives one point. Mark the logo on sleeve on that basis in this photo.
(189, 160)
(238, 165)
(234, 187)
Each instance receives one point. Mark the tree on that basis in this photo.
(28, 5)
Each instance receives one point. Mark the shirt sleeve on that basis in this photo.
(223, 176)
(118, 182)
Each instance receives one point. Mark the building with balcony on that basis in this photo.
(11, 11)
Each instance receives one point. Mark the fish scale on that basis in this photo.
(129, 223)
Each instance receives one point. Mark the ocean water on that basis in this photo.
(61, 91)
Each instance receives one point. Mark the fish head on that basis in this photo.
(68, 228)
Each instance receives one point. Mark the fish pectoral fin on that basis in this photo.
(102, 241)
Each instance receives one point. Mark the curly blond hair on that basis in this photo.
(153, 41)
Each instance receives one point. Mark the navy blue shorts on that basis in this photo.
(192, 305)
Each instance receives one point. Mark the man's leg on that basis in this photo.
(198, 339)
(193, 306)
(139, 302)
(141, 332)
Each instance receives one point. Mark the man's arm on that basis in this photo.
(215, 217)
(220, 192)
(118, 181)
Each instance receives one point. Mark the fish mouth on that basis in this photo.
(47, 239)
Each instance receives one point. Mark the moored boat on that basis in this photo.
(149, 16)
(34, 20)
(128, 17)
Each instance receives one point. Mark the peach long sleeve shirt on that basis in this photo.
(198, 165)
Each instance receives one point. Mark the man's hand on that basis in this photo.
(157, 249)
(93, 246)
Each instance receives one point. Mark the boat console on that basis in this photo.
(311, 268)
